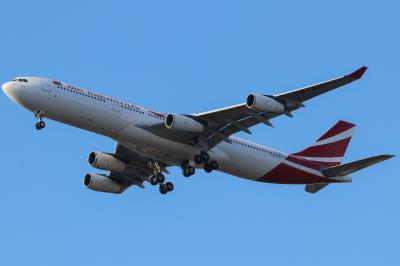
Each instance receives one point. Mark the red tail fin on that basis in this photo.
(329, 149)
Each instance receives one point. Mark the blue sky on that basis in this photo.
(192, 56)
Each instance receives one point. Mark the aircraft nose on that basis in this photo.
(6, 88)
(13, 91)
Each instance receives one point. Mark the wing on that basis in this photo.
(222, 123)
(138, 169)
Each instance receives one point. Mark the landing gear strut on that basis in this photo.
(40, 124)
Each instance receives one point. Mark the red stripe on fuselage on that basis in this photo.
(285, 174)
(303, 162)
(158, 114)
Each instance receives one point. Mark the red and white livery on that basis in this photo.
(148, 142)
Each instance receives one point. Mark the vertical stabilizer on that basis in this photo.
(330, 148)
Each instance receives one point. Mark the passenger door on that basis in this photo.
(116, 107)
(46, 85)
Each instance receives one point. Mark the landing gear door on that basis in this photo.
(46, 85)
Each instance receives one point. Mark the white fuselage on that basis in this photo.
(121, 121)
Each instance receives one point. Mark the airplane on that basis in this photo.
(148, 142)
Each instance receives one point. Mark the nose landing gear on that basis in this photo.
(40, 124)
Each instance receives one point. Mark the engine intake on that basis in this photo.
(101, 183)
(261, 103)
(105, 161)
(183, 123)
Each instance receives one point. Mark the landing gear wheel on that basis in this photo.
(191, 170)
(198, 159)
(154, 180)
(207, 168)
(185, 172)
(160, 178)
(39, 125)
(214, 165)
(188, 171)
(204, 156)
(163, 189)
(169, 186)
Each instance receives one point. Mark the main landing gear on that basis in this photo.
(159, 178)
(208, 165)
(202, 158)
(187, 170)
(40, 124)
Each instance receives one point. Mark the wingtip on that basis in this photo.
(388, 156)
(358, 73)
(385, 157)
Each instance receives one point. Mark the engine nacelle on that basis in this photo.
(183, 123)
(106, 161)
(101, 183)
(260, 103)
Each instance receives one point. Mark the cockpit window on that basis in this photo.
(57, 83)
(20, 80)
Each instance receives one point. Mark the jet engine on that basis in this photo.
(260, 103)
(183, 123)
(105, 161)
(101, 183)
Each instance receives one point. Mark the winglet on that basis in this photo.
(358, 73)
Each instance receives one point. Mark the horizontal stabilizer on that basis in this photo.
(348, 168)
(314, 188)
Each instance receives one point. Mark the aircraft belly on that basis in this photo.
(244, 163)
(156, 147)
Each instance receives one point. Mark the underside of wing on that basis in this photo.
(217, 125)
(126, 168)
(227, 121)
(312, 91)
(138, 167)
